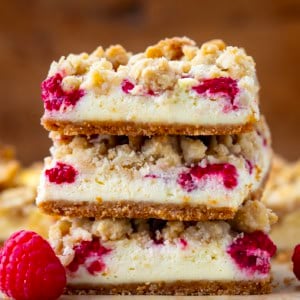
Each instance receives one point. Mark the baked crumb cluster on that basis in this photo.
(163, 151)
(171, 62)
(254, 215)
(67, 232)
(282, 192)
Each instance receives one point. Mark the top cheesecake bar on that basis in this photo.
(174, 87)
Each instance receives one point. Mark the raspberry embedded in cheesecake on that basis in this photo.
(174, 87)
(166, 177)
(153, 256)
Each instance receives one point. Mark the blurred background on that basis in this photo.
(35, 32)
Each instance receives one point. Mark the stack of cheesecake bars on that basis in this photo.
(157, 167)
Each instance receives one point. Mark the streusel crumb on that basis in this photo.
(161, 151)
(254, 215)
(111, 229)
(160, 68)
(117, 55)
(193, 150)
(169, 48)
(207, 231)
(173, 230)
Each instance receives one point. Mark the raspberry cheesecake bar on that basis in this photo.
(150, 256)
(165, 177)
(282, 194)
(174, 87)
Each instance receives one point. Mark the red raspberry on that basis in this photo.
(296, 261)
(127, 86)
(89, 253)
(223, 86)
(61, 173)
(55, 97)
(188, 180)
(29, 268)
(252, 252)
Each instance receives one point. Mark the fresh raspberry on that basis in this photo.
(188, 180)
(252, 252)
(296, 261)
(55, 97)
(89, 254)
(29, 268)
(223, 86)
(127, 86)
(61, 173)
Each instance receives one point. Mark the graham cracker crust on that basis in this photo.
(135, 129)
(179, 288)
(136, 210)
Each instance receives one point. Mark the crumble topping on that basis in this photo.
(282, 192)
(66, 232)
(162, 151)
(192, 150)
(117, 55)
(111, 230)
(157, 74)
(161, 67)
(254, 215)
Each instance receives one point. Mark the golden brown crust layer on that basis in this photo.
(136, 210)
(134, 129)
(202, 287)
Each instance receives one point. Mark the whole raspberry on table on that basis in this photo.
(29, 268)
(296, 261)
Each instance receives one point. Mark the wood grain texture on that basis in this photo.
(33, 33)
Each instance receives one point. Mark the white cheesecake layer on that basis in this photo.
(178, 107)
(129, 263)
(185, 252)
(104, 186)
